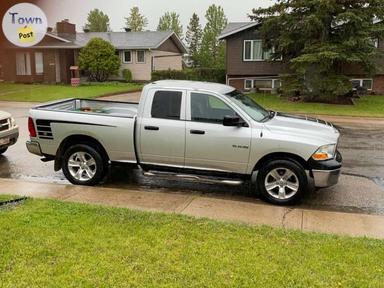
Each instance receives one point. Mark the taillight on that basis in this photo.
(31, 128)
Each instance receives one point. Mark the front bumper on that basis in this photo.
(12, 135)
(326, 178)
(326, 173)
(34, 148)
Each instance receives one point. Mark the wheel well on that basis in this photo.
(78, 139)
(280, 155)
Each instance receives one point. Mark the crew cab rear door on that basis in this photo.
(162, 128)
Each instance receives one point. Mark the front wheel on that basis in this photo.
(282, 182)
(83, 165)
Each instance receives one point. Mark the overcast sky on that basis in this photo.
(76, 10)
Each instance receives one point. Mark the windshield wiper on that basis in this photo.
(270, 115)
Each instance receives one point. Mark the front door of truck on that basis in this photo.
(210, 144)
(162, 128)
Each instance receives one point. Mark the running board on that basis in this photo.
(195, 178)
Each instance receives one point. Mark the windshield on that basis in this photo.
(254, 110)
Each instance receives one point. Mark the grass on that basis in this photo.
(45, 243)
(4, 198)
(369, 106)
(44, 93)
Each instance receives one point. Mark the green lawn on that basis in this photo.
(4, 198)
(46, 243)
(371, 106)
(43, 93)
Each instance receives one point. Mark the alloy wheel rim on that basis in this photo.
(82, 166)
(281, 183)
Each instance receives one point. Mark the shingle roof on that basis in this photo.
(121, 40)
(235, 27)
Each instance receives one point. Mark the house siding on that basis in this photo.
(140, 71)
(239, 70)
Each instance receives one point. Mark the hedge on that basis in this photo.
(196, 74)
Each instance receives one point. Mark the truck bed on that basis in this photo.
(99, 107)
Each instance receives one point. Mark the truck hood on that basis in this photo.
(303, 126)
(4, 115)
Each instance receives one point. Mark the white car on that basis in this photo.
(9, 131)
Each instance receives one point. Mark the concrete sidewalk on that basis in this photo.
(234, 209)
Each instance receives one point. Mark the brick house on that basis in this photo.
(50, 60)
(248, 66)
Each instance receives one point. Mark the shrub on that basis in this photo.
(127, 75)
(98, 59)
(195, 74)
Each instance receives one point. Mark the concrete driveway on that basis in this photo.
(361, 187)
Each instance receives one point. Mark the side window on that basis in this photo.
(209, 109)
(166, 105)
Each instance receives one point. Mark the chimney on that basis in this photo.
(64, 27)
(127, 29)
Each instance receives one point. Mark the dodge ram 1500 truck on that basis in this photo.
(9, 131)
(189, 130)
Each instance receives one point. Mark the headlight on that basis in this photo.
(13, 122)
(325, 152)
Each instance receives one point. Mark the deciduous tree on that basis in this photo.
(170, 22)
(97, 21)
(212, 52)
(99, 60)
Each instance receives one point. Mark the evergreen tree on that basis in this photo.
(135, 21)
(318, 39)
(193, 38)
(97, 21)
(170, 22)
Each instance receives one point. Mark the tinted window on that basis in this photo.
(166, 105)
(207, 108)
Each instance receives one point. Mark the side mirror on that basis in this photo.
(233, 121)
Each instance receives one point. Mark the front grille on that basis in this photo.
(44, 130)
(4, 124)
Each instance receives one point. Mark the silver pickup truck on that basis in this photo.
(9, 131)
(189, 130)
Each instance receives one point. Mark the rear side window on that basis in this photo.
(166, 105)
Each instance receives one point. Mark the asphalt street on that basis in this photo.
(361, 145)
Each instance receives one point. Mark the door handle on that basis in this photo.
(152, 128)
(198, 132)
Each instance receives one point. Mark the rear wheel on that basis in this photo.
(3, 150)
(83, 165)
(282, 182)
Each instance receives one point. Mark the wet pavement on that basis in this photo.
(361, 144)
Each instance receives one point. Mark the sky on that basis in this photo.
(76, 10)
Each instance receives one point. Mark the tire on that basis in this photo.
(83, 165)
(2, 151)
(282, 182)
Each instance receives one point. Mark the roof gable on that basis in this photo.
(236, 27)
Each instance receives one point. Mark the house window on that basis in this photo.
(23, 63)
(39, 63)
(262, 84)
(365, 83)
(140, 56)
(127, 57)
(248, 84)
(253, 51)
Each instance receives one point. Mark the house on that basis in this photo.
(248, 66)
(51, 59)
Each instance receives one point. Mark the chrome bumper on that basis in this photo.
(12, 134)
(326, 178)
(34, 148)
